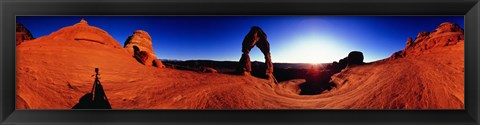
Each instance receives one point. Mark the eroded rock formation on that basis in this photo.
(139, 44)
(22, 34)
(446, 34)
(353, 58)
(256, 37)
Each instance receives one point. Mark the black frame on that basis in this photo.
(469, 8)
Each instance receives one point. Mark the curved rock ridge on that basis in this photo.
(83, 32)
(22, 34)
(446, 34)
(139, 44)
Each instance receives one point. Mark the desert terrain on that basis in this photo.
(55, 71)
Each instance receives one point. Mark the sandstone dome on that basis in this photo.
(85, 33)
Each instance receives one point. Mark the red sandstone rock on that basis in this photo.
(82, 32)
(62, 69)
(409, 41)
(22, 34)
(140, 45)
(209, 70)
(140, 39)
(446, 34)
(141, 57)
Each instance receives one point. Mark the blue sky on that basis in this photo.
(293, 39)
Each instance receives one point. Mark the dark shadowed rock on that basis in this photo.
(209, 70)
(355, 58)
(318, 80)
(22, 34)
(141, 56)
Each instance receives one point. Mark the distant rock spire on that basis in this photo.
(409, 42)
(83, 22)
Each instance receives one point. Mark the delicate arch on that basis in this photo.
(255, 37)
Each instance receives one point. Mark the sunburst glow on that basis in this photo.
(313, 49)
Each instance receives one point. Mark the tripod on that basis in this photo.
(99, 97)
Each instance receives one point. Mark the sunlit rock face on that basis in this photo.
(139, 44)
(82, 32)
(446, 34)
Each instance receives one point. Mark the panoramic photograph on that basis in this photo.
(240, 62)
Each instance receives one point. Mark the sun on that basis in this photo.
(308, 52)
(315, 50)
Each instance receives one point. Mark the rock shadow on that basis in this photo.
(318, 80)
(96, 99)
